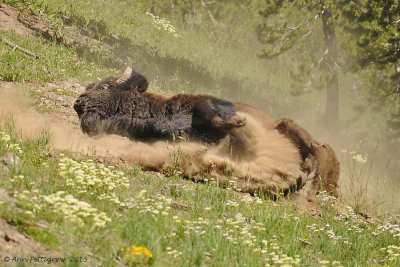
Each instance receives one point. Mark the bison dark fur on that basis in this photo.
(124, 107)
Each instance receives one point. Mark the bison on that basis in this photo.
(276, 157)
(122, 106)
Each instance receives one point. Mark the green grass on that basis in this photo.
(134, 25)
(199, 226)
(65, 92)
(56, 62)
(193, 57)
(193, 62)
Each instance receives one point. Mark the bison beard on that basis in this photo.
(267, 156)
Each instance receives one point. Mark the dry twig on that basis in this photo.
(15, 46)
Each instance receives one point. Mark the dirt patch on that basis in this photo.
(58, 97)
(14, 244)
(23, 22)
(9, 21)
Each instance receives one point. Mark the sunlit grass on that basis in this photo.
(368, 183)
(179, 222)
(56, 62)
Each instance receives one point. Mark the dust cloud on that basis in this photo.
(369, 166)
(257, 156)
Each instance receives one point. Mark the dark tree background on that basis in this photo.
(369, 39)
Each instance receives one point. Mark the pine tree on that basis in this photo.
(369, 38)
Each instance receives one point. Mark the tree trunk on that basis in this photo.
(193, 13)
(193, 8)
(332, 88)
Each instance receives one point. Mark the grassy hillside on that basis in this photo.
(161, 50)
(56, 62)
(150, 34)
(99, 212)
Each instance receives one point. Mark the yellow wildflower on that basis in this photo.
(135, 254)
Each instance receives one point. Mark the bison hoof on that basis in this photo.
(236, 121)
(232, 122)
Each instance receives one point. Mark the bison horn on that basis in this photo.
(125, 76)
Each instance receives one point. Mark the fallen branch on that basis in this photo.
(15, 46)
(214, 21)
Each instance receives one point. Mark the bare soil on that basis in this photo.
(25, 23)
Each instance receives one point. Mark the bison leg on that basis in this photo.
(319, 160)
(218, 113)
(327, 169)
(229, 123)
(300, 137)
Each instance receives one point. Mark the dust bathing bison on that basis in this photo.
(122, 106)
(268, 156)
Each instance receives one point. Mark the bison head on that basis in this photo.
(101, 100)
(98, 95)
(121, 106)
(92, 108)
